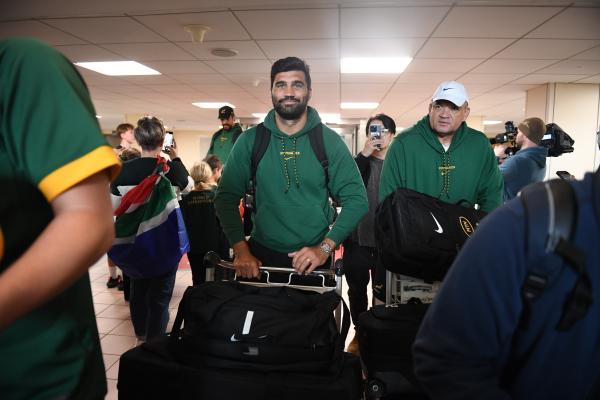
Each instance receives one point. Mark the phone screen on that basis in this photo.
(375, 131)
(168, 142)
(564, 175)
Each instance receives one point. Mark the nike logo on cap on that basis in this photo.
(447, 88)
(439, 227)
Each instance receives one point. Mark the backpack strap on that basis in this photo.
(316, 142)
(261, 143)
(236, 135)
(551, 219)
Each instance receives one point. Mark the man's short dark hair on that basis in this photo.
(149, 133)
(388, 123)
(122, 128)
(290, 64)
(214, 161)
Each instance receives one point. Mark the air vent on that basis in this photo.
(221, 52)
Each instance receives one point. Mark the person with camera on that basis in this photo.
(442, 157)
(223, 140)
(528, 165)
(360, 255)
(293, 219)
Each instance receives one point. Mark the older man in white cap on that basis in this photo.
(444, 158)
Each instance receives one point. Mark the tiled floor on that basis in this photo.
(114, 323)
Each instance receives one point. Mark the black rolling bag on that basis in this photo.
(386, 335)
(150, 372)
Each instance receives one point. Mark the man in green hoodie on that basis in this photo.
(293, 212)
(223, 139)
(442, 157)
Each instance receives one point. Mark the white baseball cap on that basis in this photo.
(452, 91)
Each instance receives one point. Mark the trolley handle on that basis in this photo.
(212, 259)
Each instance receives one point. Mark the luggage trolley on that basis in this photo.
(403, 289)
(320, 280)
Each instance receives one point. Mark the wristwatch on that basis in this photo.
(326, 248)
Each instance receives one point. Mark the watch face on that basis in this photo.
(326, 248)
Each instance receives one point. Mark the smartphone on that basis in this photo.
(565, 175)
(168, 142)
(375, 131)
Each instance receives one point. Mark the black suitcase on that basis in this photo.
(150, 372)
(385, 337)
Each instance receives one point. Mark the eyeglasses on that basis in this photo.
(449, 107)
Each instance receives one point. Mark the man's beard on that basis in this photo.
(226, 127)
(290, 113)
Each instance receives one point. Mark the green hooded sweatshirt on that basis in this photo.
(222, 142)
(467, 171)
(292, 205)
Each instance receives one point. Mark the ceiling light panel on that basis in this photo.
(118, 68)
(374, 65)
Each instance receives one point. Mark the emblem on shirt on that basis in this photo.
(446, 170)
(287, 155)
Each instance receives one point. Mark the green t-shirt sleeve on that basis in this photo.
(346, 185)
(49, 127)
(232, 187)
(391, 173)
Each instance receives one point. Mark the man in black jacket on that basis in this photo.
(360, 257)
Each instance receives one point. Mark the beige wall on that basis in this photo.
(575, 108)
(192, 145)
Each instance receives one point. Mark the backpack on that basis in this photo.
(261, 143)
(150, 235)
(551, 214)
(231, 325)
(419, 235)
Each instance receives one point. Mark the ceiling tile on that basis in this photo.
(386, 47)
(442, 65)
(37, 30)
(149, 51)
(363, 92)
(493, 22)
(431, 78)
(573, 67)
(88, 52)
(386, 22)
(315, 48)
(240, 66)
(180, 67)
(258, 79)
(106, 29)
(224, 26)
(369, 78)
(150, 80)
(331, 65)
(94, 78)
(546, 78)
(592, 54)
(590, 79)
(573, 23)
(324, 77)
(462, 48)
(199, 78)
(291, 24)
(495, 66)
(246, 49)
(546, 49)
(498, 79)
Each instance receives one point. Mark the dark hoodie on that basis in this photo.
(292, 206)
(468, 171)
(525, 167)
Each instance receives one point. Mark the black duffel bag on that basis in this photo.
(231, 325)
(419, 236)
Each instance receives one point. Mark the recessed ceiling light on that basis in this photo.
(358, 106)
(118, 68)
(212, 104)
(223, 52)
(491, 122)
(98, 116)
(260, 116)
(374, 65)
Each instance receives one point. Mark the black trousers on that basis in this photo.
(360, 264)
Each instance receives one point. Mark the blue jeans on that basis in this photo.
(149, 305)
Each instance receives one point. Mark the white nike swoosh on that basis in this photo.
(233, 339)
(439, 227)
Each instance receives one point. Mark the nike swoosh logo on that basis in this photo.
(233, 339)
(439, 227)
(444, 89)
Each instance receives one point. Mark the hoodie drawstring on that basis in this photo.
(445, 170)
(288, 181)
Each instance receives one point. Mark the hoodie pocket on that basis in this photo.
(289, 228)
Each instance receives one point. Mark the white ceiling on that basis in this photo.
(498, 49)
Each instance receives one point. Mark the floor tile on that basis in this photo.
(106, 325)
(113, 371)
(124, 329)
(109, 360)
(113, 311)
(116, 344)
(112, 394)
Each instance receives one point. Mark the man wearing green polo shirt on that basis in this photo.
(55, 221)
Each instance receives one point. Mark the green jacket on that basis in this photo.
(467, 171)
(222, 142)
(292, 205)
